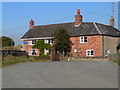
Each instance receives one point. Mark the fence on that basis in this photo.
(86, 58)
(12, 52)
(115, 56)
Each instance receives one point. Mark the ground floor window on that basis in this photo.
(89, 52)
(32, 52)
(47, 51)
(107, 52)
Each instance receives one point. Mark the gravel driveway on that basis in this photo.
(77, 74)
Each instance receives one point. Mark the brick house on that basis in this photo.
(88, 38)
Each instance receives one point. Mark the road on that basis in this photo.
(77, 74)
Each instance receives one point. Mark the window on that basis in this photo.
(107, 52)
(89, 52)
(50, 41)
(46, 41)
(47, 51)
(32, 52)
(75, 50)
(83, 40)
(32, 42)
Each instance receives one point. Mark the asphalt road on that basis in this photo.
(78, 74)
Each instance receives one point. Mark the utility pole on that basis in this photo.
(112, 17)
(113, 9)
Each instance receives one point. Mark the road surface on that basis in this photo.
(77, 74)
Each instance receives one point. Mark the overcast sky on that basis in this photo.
(16, 15)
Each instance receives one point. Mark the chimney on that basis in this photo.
(78, 18)
(112, 21)
(31, 23)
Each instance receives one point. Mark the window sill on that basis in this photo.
(83, 42)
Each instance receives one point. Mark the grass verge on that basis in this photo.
(10, 60)
(41, 61)
(117, 61)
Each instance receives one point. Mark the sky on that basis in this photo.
(16, 15)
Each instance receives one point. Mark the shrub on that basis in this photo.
(10, 60)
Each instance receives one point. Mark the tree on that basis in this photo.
(7, 41)
(41, 45)
(62, 41)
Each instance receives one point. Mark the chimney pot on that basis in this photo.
(78, 11)
(112, 21)
(78, 18)
(31, 23)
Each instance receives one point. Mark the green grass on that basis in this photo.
(117, 61)
(41, 61)
(10, 60)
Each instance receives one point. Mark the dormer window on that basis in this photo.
(83, 39)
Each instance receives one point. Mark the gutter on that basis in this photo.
(37, 38)
(103, 45)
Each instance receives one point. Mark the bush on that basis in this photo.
(117, 61)
(10, 60)
(41, 57)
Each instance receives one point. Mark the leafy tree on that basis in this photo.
(62, 41)
(7, 41)
(41, 45)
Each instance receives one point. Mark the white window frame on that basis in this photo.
(31, 50)
(75, 50)
(90, 52)
(48, 41)
(82, 40)
(46, 51)
(30, 42)
(51, 41)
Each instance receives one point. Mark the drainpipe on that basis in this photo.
(103, 46)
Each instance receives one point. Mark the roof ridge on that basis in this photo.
(54, 24)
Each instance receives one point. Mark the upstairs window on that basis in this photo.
(32, 42)
(50, 41)
(46, 40)
(89, 52)
(83, 39)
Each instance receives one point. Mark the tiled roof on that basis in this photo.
(85, 28)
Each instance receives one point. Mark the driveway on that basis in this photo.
(77, 74)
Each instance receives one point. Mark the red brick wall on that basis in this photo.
(26, 47)
(94, 43)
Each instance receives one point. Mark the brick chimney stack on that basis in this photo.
(78, 18)
(31, 23)
(112, 21)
